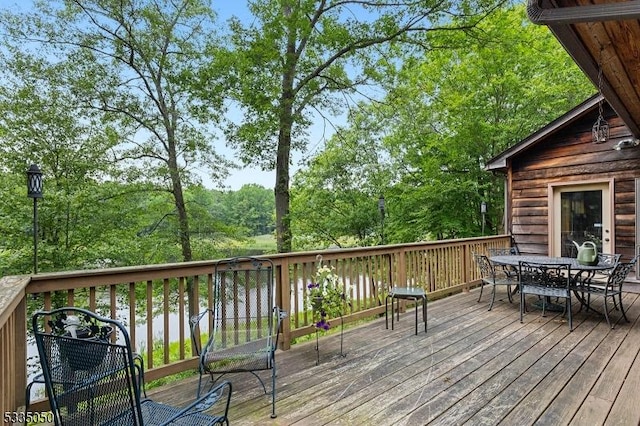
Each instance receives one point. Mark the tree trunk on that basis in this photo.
(283, 220)
(183, 223)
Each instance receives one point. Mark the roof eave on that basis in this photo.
(499, 162)
(559, 21)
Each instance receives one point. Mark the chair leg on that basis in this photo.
(199, 386)
(27, 399)
(493, 297)
(416, 309)
(386, 312)
(568, 308)
(424, 313)
(621, 308)
(606, 313)
(393, 312)
(273, 386)
(521, 307)
(481, 288)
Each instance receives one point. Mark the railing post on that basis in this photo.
(21, 352)
(402, 268)
(13, 342)
(466, 265)
(283, 300)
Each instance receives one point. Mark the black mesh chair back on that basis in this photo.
(91, 379)
(608, 259)
(502, 251)
(546, 281)
(244, 325)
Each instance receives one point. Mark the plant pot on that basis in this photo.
(84, 352)
(316, 303)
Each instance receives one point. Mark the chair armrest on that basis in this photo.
(221, 393)
(138, 363)
(195, 323)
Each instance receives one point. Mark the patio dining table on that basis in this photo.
(577, 269)
(515, 259)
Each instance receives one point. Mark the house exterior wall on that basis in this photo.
(570, 156)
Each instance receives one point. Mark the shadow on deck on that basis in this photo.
(472, 366)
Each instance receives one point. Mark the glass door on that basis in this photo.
(581, 213)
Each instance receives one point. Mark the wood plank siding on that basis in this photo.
(568, 155)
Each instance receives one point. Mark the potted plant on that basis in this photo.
(326, 296)
(84, 342)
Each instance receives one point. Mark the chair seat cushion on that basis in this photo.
(501, 281)
(546, 291)
(255, 355)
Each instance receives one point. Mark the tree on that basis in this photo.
(252, 207)
(445, 116)
(131, 63)
(456, 109)
(303, 57)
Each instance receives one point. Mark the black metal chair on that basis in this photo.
(416, 294)
(494, 277)
(240, 334)
(91, 378)
(38, 379)
(505, 251)
(546, 281)
(607, 259)
(611, 288)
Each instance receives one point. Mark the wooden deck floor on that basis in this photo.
(472, 367)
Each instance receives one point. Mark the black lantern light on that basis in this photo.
(600, 129)
(34, 190)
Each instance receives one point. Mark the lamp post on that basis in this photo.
(381, 209)
(34, 190)
(483, 211)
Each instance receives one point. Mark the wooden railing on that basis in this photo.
(153, 300)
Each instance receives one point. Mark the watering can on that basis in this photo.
(587, 253)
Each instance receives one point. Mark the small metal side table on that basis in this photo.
(407, 293)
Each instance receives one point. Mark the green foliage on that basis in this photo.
(118, 75)
(447, 113)
(302, 61)
(335, 199)
(327, 296)
(457, 108)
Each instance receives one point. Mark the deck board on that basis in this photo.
(472, 367)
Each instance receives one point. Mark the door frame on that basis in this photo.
(552, 214)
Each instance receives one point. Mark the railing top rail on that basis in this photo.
(95, 277)
(11, 293)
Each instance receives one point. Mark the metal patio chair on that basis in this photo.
(244, 325)
(91, 379)
(546, 281)
(494, 276)
(611, 288)
(505, 251)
